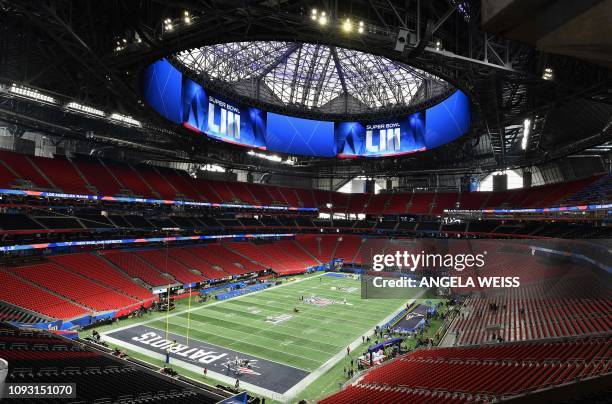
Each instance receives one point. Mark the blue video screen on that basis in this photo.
(187, 103)
(384, 138)
(291, 135)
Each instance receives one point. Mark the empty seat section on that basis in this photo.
(322, 199)
(20, 164)
(306, 197)
(214, 254)
(469, 374)
(300, 257)
(377, 203)
(137, 268)
(327, 246)
(277, 195)
(398, 203)
(222, 189)
(241, 192)
(421, 202)
(348, 248)
(358, 203)
(255, 253)
(158, 183)
(181, 182)
(98, 176)
(62, 173)
(208, 189)
(496, 199)
(7, 178)
(340, 201)
(597, 189)
(279, 259)
(515, 198)
(311, 244)
(130, 179)
(261, 193)
(473, 200)
(74, 287)
(445, 200)
(99, 270)
(290, 196)
(186, 257)
(31, 297)
(163, 263)
(244, 262)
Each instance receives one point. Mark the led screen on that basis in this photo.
(385, 138)
(293, 135)
(186, 102)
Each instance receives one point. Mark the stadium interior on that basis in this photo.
(195, 196)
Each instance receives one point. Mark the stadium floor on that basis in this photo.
(283, 346)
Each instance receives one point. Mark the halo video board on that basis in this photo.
(187, 103)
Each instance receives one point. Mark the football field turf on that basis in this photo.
(263, 326)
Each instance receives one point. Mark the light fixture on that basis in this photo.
(270, 157)
(438, 45)
(347, 26)
(125, 119)
(526, 130)
(548, 73)
(27, 92)
(361, 27)
(84, 108)
(314, 14)
(323, 19)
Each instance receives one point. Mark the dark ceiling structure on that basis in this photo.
(93, 52)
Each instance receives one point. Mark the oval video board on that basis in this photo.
(187, 103)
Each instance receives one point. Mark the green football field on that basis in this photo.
(265, 325)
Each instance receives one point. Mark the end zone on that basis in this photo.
(260, 375)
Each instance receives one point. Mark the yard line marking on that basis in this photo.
(236, 340)
(302, 384)
(212, 304)
(246, 353)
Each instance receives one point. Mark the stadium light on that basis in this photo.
(526, 130)
(75, 106)
(270, 157)
(125, 119)
(361, 27)
(347, 26)
(323, 19)
(320, 17)
(186, 17)
(168, 24)
(548, 73)
(27, 92)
